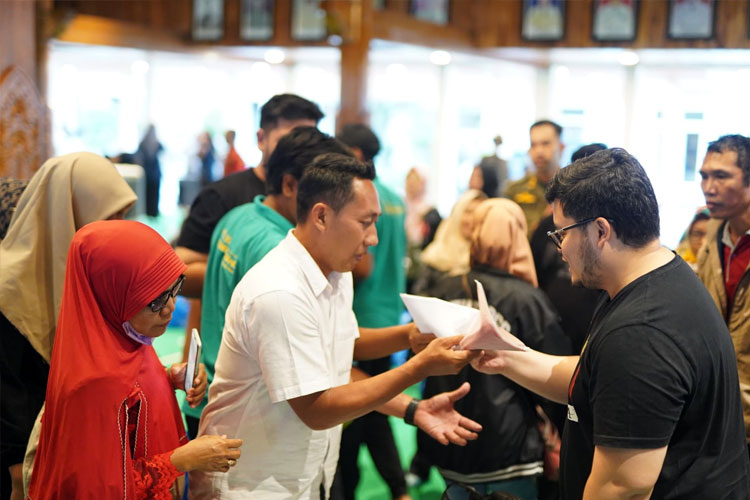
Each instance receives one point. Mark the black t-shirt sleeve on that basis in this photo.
(206, 211)
(639, 389)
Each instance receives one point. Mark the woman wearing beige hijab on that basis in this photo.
(449, 250)
(65, 194)
(508, 455)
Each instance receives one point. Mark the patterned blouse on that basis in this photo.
(10, 192)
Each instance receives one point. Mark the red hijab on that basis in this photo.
(114, 269)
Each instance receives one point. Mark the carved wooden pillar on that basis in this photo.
(24, 131)
(23, 125)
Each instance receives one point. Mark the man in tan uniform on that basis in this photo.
(724, 258)
(545, 152)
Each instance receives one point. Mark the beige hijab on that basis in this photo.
(449, 250)
(499, 239)
(65, 194)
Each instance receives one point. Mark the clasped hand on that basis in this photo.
(177, 376)
(208, 454)
(441, 357)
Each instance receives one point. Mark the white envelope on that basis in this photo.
(445, 319)
(440, 317)
(487, 335)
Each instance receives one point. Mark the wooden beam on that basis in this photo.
(96, 30)
(400, 27)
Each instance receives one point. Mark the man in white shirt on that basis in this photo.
(284, 379)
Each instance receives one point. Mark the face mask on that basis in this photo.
(130, 332)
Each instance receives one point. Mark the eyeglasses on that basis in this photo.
(161, 301)
(558, 235)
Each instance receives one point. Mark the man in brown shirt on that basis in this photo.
(545, 153)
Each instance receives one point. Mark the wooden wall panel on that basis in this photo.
(731, 22)
(498, 24)
(474, 23)
(462, 15)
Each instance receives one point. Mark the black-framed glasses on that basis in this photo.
(557, 235)
(161, 301)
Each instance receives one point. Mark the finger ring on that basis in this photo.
(231, 462)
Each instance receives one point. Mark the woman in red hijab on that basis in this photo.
(112, 427)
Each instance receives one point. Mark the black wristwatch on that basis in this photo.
(411, 409)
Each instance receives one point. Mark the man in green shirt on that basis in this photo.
(248, 232)
(378, 280)
(545, 153)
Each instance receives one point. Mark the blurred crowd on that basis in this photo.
(633, 380)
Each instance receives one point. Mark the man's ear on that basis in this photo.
(358, 153)
(605, 233)
(260, 135)
(319, 215)
(289, 186)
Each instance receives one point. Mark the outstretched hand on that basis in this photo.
(437, 417)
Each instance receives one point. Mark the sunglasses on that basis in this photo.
(161, 301)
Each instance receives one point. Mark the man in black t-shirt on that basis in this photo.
(653, 401)
(574, 303)
(278, 117)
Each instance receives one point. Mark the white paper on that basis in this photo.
(488, 335)
(440, 317)
(194, 355)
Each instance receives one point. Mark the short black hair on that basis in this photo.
(587, 150)
(329, 180)
(558, 128)
(357, 135)
(296, 151)
(288, 107)
(740, 145)
(490, 181)
(612, 184)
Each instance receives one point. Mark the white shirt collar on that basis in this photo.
(315, 277)
(726, 237)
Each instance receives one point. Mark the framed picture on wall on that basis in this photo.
(256, 19)
(308, 20)
(431, 11)
(208, 19)
(615, 20)
(543, 20)
(691, 19)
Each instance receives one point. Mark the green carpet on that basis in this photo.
(371, 485)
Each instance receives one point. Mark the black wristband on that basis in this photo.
(411, 409)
